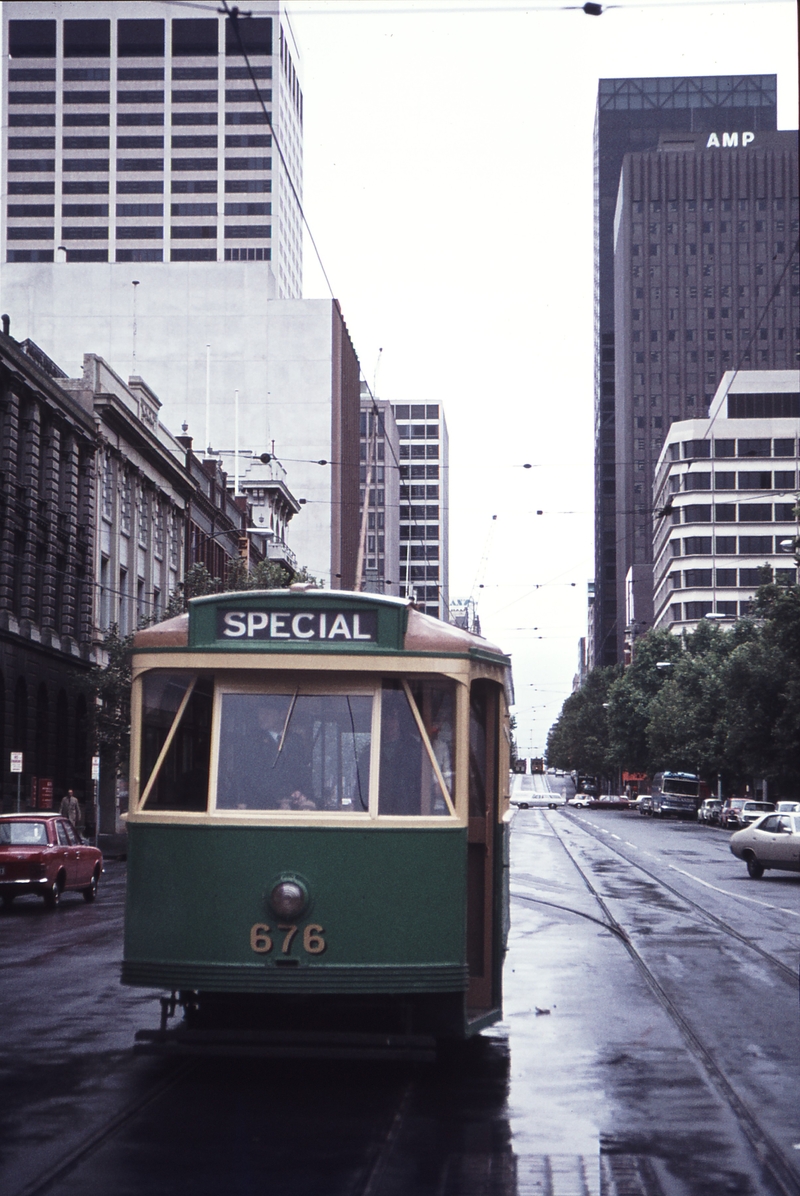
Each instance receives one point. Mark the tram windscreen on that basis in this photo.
(181, 782)
(294, 752)
(408, 780)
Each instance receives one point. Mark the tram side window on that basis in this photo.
(408, 780)
(182, 779)
(482, 746)
(294, 752)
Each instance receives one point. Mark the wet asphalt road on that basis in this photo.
(635, 1069)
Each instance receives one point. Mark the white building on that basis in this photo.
(135, 134)
(726, 500)
(152, 210)
(424, 505)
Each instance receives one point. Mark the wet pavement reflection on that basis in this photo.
(586, 1087)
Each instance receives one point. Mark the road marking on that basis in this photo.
(738, 896)
(618, 837)
(629, 844)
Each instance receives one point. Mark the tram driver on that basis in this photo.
(268, 758)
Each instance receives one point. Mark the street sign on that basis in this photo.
(16, 761)
(95, 768)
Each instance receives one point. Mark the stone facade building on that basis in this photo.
(47, 507)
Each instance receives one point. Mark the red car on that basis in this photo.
(41, 853)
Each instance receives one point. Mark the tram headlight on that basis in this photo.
(289, 899)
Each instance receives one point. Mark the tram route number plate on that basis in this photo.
(261, 938)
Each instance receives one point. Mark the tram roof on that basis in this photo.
(391, 625)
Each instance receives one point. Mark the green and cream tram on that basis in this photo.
(318, 820)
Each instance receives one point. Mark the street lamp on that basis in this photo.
(663, 664)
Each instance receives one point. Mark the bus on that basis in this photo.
(676, 793)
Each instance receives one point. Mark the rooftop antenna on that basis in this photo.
(208, 399)
(134, 284)
(235, 443)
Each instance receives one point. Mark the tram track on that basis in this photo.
(96, 1138)
(767, 1151)
(783, 969)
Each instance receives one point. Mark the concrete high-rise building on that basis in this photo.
(632, 114)
(135, 134)
(705, 282)
(380, 493)
(727, 487)
(424, 505)
(152, 210)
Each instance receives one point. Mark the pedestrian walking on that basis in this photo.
(71, 808)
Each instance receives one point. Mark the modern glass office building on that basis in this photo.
(632, 116)
(706, 281)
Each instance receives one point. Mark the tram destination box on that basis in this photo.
(281, 620)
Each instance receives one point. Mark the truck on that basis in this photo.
(676, 793)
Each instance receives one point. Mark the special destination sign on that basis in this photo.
(327, 624)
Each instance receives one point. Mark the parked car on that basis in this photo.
(741, 811)
(788, 807)
(709, 811)
(41, 853)
(771, 842)
(581, 801)
(751, 811)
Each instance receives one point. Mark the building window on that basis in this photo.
(140, 232)
(726, 577)
(761, 480)
(697, 546)
(140, 255)
(755, 512)
(697, 514)
(125, 504)
(725, 545)
(697, 579)
(697, 610)
(194, 186)
(249, 255)
(724, 481)
(193, 232)
(193, 255)
(755, 545)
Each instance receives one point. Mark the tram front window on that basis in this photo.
(294, 752)
(176, 738)
(416, 777)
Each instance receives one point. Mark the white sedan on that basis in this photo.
(771, 842)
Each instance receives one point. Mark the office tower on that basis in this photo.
(151, 213)
(728, 484)
(424, 505)
(705, 282)
(135, 134)
(631, 116)
(380, 492)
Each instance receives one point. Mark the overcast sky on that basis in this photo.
(448, 185)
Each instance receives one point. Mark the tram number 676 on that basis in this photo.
(261, 938)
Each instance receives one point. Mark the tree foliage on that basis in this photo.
(579, 739)
(723, 701)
